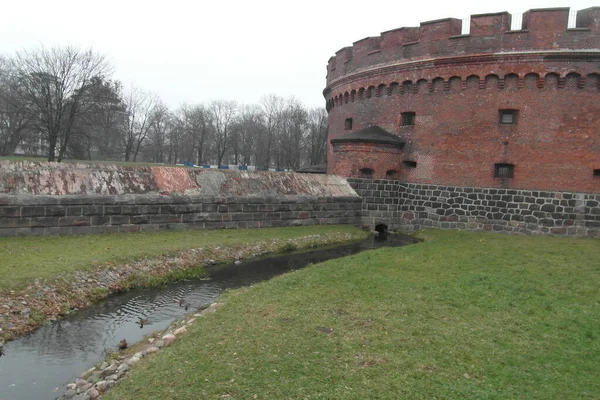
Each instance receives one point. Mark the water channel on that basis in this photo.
(38, 366)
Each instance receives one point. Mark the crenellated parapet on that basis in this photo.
(568, 80)
(544, 36)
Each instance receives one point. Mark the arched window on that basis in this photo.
(366, 172)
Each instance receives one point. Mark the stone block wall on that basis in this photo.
(52, 199)
(72, 215)
(408, 207)
(38, 198)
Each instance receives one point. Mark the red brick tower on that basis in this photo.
(494, 108)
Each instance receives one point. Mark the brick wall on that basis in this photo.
(457, 138)
(409, 206)
(349, 158)
(543, 30)
(72, 215)
(457, 84)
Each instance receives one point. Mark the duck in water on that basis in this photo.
(123, 344)
(184, 304)
(142, 322)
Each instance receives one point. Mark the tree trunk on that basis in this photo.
(51, 147)
(63, 148)
(200, 150)
(137, 150)
(127, 151)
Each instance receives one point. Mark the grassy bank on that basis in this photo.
(23, 259)
(463, 315)
(45, 278)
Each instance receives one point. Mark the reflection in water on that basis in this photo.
(33, 366)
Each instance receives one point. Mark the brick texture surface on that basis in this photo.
(383, 160)
(457, 85)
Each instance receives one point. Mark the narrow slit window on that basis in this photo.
(366, 172)
(348, 124)
(504, 171)
(409, 164)
(597, 173)
(508, 117)
(391, 173)
(408, 118)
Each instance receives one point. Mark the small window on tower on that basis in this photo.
(508, 117)
(366, 172)
(409, 164)
(408, 118)
(504, 171)
(597, 173)
(348, 124)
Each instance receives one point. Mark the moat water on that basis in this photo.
(39, 366)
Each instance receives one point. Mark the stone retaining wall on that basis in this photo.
(51, 199)
(71, 215)
(38, 198)
(408, 207)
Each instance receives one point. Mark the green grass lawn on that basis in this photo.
(461, 316)
(23, 259)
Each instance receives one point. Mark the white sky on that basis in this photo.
(197, 51)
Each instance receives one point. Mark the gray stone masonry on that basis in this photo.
(401, 206)
(407, 207)
(74, 215)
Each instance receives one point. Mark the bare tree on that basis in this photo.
(249, 127)
(316, 139)
(196, 125)
(293, 121)
(177, 148)
(223, 114)
(63, 95)
(55, 81)
(273, 107)
(15, 111)
(161, 125)
(139, 106)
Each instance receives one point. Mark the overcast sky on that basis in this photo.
(197, 51)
